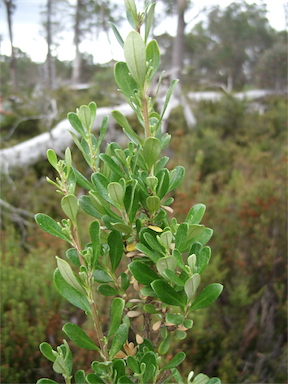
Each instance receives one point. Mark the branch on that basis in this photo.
(31, 151)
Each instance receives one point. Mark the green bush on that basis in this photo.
(244, 187)
(29, 308)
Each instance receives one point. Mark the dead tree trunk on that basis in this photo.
(178, 45)
(13, 68)
(77, 60)
(49, 59)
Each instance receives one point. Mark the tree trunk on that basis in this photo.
(49, 59)
(177, 63)
(77, 61)
(13, 68)
(178, 46)
(31, 151)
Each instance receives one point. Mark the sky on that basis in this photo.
(28, 33)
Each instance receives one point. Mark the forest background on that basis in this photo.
(232, 145)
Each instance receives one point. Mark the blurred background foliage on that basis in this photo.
(236, 164)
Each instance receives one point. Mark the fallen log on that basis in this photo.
(31, 151)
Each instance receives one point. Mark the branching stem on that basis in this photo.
(145, 114)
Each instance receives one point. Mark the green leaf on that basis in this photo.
(153, 57)
(176, 176)
(149, 359)
(195, 214)
(117, 34)
(200, 379)
(173, 277)
(123, 122)
(174, 318)
(150, 308)
(50, 226)
(181, 335)
(148, 252)
(204, 236)
(131, 20)
(133, 364)
(125, 82)
(93, 378)
(188, 323)
(148, 291)
(117, 307)
(119, 339)
(112, 164)
(191, 285)
(165, 345)
(46, 381)
(168, 96)
(181, 236)
(88, 207)
(103, 130)
(120, 227)
(191, 261)
(46, 350)
(81, 180)
(84, 116)
(125, 380)
(207, 296)
(70, 293)
(166, 238)
(119, 368)
(70, 207)
(149, 20)
(153, 203)
(194, 230)
(163, 184)
(125, 281)
(177, 359)
(131, 200)
(76, 123)
(81, 147)
(153, 243)
(59, 365)
(102, 277)
(151, 151)
(179, 259)
(165, 140)
(116, 193)
(115, 243)
(214, 380)
(68, 275)
(80, 377)
(107, 290)
(131, 7)
(167, 294)
(79, 337)
(142, 272)
(93, 108)
(94, 231)
(52, 158)
(167, 262)
(97, 203)
(135, 56)
(101, 184)
(203, 259)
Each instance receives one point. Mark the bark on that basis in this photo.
(31, 151)
(49, 59)
(13, 67)
(77, 60)
(104, 25)
(178, 45)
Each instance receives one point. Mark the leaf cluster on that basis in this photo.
(129, 198)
